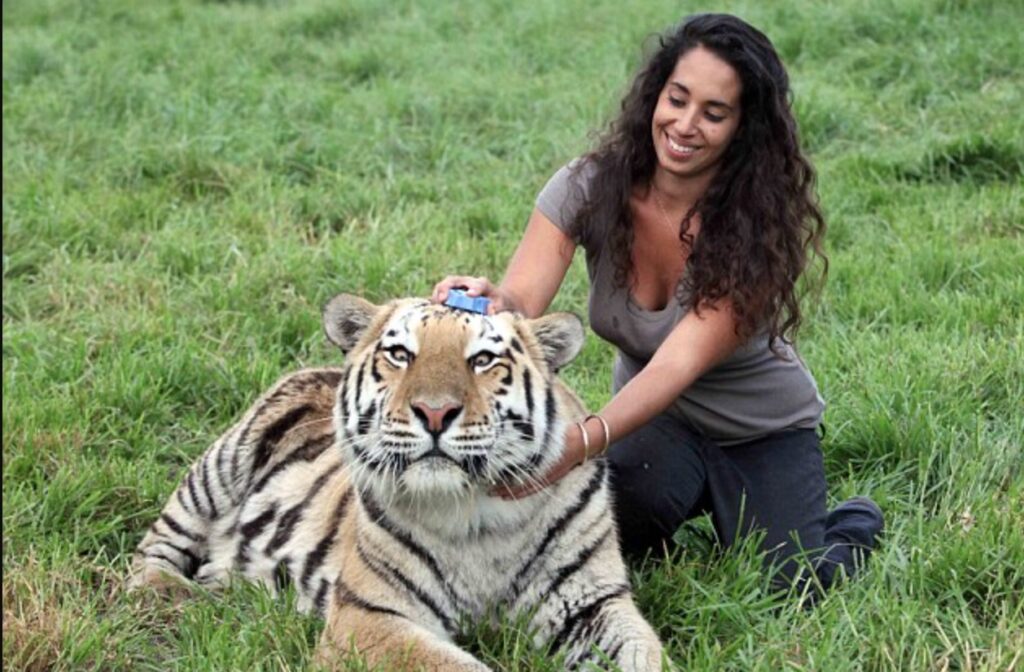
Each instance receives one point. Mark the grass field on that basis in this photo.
(185, 183)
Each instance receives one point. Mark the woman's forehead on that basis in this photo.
(703, 74)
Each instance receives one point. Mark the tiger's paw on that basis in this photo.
(164, 583)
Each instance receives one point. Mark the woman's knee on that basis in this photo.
(657, 479)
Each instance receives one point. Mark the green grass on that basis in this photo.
(185, 183)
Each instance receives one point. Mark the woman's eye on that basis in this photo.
(482, 359)
(713, 117)
(398, 354)
(676, 102)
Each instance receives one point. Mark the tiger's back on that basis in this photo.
(368, 488)
(250, 503)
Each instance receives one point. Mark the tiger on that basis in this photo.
(371, 488)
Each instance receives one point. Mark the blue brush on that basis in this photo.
(475, 304)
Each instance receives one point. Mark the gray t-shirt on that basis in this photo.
(750, 394)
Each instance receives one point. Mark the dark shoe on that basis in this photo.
(856, 521)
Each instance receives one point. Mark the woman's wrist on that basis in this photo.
(602, 438)
(588, 438)
(574, 447)
(505, 300)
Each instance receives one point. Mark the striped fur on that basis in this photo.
(368, 488)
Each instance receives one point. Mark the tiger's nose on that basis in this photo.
(436, 420)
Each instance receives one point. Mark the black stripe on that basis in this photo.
(549, 412)
(190, 480)
(363, 421)
(315, 558)
(517, 345)
(563, 521)
(204, 480)
(307, 452)
(156, 555)
(374, 360)
(221, 478)
(243, 435)
(345, 596)
(290, 518)
(372, 563)
(328, 378)
(343, 398)
(376, 514)
(273, 433)
(180, 494)
(178, 528)
(359, 382)
(522, 424)
(193, 560)
(392, 576)
(528, 388)
(250, 531)
(581, 559)
(321, 596)
(234, 463)
(584, 616)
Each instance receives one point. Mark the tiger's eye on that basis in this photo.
(398, 354)
(481, 359)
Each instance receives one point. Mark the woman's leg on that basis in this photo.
(658, 478)
(777, 485)
(851, 533)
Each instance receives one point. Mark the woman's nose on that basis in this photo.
(686, 124)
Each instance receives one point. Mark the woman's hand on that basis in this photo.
(474, 286)
(572, 456)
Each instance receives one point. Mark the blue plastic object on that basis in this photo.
(475, 304)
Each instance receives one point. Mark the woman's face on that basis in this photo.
(697, 114)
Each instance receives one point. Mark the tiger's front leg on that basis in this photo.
(387, 640)
(590, 617)
(617, 630)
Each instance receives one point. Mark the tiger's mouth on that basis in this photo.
(436, 459)
(433, 453)
(436, 473)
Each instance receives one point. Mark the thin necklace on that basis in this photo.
(661, 206)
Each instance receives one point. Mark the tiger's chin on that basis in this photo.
(435, 477)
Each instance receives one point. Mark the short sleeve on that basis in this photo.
(562, 197)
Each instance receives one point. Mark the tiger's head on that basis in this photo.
(437, 402)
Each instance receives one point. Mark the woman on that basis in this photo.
(697, 214)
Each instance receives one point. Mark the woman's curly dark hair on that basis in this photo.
(760, 220)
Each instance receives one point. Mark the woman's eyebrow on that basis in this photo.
(715, 103)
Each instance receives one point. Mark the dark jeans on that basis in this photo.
(665, 473)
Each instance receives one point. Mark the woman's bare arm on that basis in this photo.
(693, 347)
(533, 276)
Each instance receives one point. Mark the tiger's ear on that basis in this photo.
(560, 336)
(346, 318)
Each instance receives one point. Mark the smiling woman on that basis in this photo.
(697, 214)
(696, 116)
